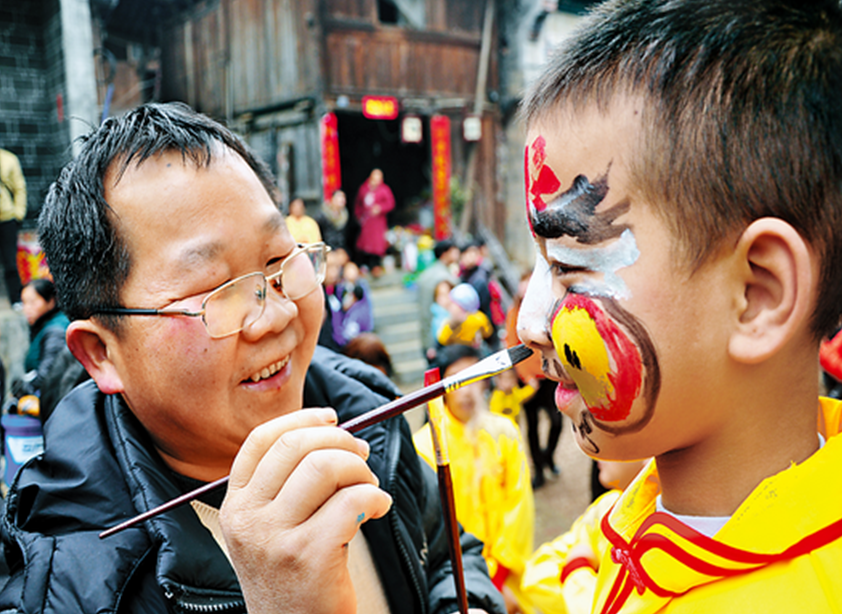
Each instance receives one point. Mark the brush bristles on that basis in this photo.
(519, 353)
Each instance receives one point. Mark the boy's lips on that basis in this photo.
(564, 394)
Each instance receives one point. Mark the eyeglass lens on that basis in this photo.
(239, 304)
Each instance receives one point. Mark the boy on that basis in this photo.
(490, 476)
(196, 315)
(684, 164)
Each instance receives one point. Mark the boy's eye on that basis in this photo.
(560, 269)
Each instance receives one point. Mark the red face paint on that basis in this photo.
(599, 356)
(545, 182)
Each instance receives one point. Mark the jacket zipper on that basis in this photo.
(394, 452)
(183, 605)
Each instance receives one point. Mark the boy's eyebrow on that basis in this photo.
(572, 213)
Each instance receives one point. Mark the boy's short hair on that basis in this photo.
(87, 256)
(742, 117)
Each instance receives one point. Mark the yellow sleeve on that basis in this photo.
(423, 441)
(541, 581)
(486, 330)
(14, 180)
(514, 541)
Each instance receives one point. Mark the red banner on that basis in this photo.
(440, 144)
(331, 175)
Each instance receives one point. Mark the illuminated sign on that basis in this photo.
(380, 107)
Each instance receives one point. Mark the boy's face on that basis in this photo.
(615, 318)
(188, 231)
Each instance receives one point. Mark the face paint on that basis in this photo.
(606, 260)
(598, 355)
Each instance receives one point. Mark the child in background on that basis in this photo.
(508, 395)
(560, 577)
(439, 313)
(490, 473)
(466, 324)
(684, 181)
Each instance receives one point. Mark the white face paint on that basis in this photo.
(538, 299)
(606, 260)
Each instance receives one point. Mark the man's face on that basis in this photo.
(189, 230)
(613, 314)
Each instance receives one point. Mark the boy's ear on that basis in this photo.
(778, 283)
(89, 343)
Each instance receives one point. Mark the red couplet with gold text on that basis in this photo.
(331, 175)
(440, 144)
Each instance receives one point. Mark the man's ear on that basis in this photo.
(89, 342)
(778, 284)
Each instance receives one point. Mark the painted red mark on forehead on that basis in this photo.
(545, 181)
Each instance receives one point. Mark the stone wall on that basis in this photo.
(32, 120)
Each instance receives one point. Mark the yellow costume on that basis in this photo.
(509, 404)
(492, 491)
(472, 331)
(781, 551)
(557, 584)
(12, 188)
(304, 229)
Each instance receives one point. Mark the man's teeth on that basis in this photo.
(270, 370)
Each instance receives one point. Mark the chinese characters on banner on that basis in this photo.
(440, 144)
(331, 176)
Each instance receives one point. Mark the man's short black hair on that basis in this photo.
(442, 247)
(87, 256)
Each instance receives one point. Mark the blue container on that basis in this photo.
(23, 439)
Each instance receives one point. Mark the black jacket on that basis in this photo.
(99, 468)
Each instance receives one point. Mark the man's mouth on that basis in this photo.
(269, 371)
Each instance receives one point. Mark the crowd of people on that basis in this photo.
(683, 173)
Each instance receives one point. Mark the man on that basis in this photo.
(12, 211)
(196, 315)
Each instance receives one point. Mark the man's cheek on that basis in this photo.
(601, 359)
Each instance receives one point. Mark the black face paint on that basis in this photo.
(573, 213)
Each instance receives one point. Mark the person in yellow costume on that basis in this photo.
(560, 577)
(302, 227)
(491, 483)
(508, 396)
(683, 170)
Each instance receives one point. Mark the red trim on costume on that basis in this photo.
(574, 564)
(500, 577)
(633, 574)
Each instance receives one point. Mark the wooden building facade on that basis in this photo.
(273, 68)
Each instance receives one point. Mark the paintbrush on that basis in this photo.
(435, 411)
(494, 364)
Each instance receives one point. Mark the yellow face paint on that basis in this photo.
(598, 355)
(583, 354)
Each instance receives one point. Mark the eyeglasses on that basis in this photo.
(240, 302)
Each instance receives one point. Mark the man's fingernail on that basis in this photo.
(328, 414)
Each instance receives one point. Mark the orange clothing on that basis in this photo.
(781, 551)
(531, 367)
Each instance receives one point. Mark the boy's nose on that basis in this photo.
(532, 322)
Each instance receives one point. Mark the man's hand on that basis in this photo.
(298, 492)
